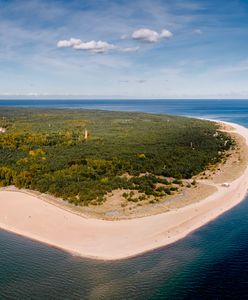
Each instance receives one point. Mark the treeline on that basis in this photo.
(46, 150)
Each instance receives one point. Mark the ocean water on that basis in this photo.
(211, 263)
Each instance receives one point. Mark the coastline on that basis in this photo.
(110, 240)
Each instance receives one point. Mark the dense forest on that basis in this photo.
(81, 155)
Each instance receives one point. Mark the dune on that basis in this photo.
(39, 220)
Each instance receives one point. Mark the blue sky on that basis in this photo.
(124, 49)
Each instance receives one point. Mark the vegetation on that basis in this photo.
(47, 150)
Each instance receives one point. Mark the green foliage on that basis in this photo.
(45, 150)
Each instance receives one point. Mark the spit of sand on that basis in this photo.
(109, 240)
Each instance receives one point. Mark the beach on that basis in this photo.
(37, 219)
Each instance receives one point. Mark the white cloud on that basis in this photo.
(130, 49)
(166, 34)
(145, 34)
(93, 46)
(68, 43)
(63, 44)
(150, 36)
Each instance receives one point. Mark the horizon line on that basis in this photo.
(28, 98)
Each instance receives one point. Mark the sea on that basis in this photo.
(211, 263)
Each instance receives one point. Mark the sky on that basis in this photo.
(133, 49)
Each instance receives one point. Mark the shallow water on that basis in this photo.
(211, 263)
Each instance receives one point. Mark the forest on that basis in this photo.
(81, 155)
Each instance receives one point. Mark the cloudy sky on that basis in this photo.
(124, 48)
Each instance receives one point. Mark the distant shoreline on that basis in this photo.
(110, 240)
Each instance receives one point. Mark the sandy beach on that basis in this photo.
(37, 219)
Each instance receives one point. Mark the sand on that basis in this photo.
(32, 217)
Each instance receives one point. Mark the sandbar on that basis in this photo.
(39, 220)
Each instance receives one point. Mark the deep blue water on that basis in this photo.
(229, 110)
(211, 263)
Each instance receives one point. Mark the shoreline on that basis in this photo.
(24, 214)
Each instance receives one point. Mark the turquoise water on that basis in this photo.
(211, 263)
